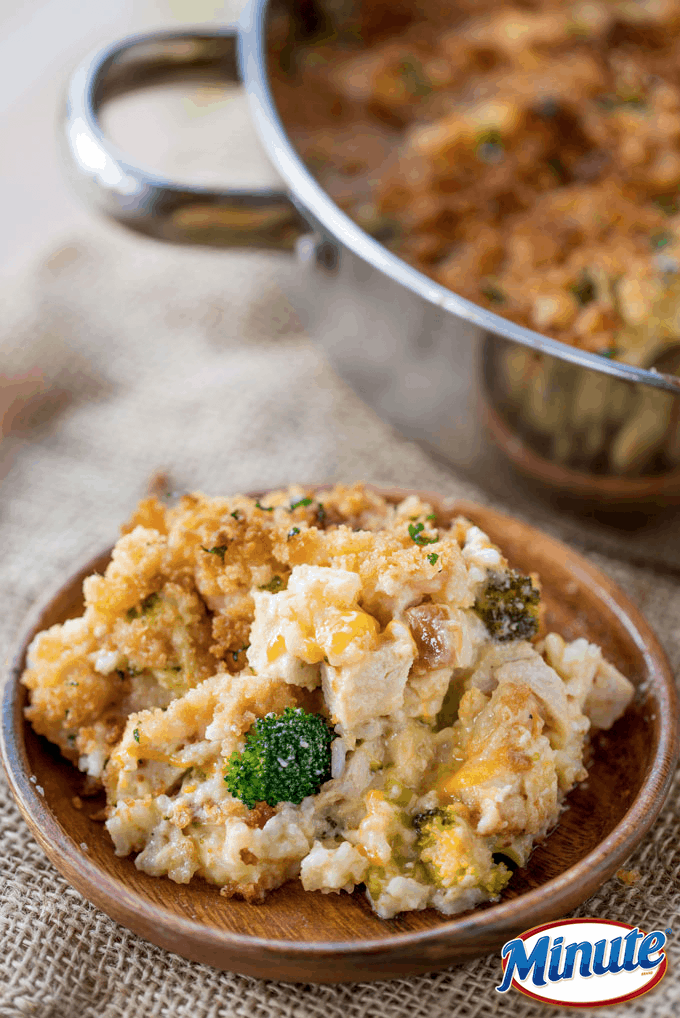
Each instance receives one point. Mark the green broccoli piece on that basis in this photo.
(285, 758)
(454, 854)
(508, 606)
(433, 820)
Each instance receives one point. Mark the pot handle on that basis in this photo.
(147, 202)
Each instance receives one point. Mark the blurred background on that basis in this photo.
(41, 41)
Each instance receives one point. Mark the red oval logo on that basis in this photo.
(584, 962)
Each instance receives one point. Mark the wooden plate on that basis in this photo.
(310, 937)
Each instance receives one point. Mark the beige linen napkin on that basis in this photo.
(194, 361)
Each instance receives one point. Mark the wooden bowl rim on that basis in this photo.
(605, 488)
(508, 915)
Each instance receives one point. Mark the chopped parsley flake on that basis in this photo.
(432, 558)
(135, 735)
(321, 515)
(275, 584)
(584, 289)
(492, 293)
(292, 532)
(414, 79)
(219, 549)
(557, 166)
(660, 240)
(145, 607)
(491, 137)
(415, 531)
(667, 203)
(236, 514)
(300, 501)
(264, 508)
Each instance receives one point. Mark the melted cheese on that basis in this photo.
(473, 772)
(276, 648)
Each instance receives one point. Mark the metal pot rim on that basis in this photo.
(315, 200)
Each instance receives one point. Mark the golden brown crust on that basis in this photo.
(149, 513)
(259, 815)
(175, 604)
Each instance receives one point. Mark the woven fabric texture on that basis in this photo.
(194, 361)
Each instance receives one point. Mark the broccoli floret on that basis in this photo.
(453, 854)
(433, 820)
(285, 758)
(508, 606)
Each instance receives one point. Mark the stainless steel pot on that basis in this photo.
(485, 394)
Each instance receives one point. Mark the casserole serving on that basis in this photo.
(330, 687)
